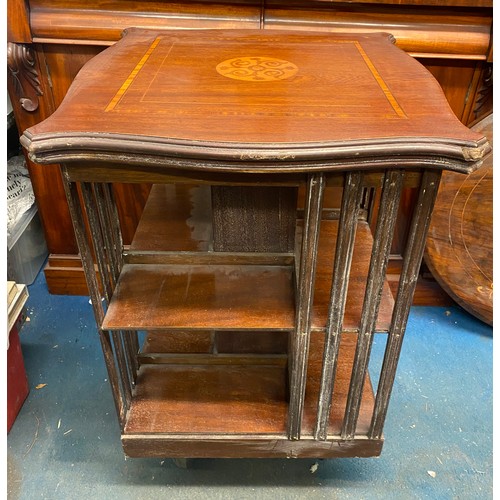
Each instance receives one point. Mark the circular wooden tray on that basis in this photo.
(459, 250)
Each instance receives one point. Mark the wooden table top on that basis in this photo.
(459, 249)
(251, 96)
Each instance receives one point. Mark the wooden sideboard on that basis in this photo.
(50, 40)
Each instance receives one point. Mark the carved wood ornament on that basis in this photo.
(21, 63)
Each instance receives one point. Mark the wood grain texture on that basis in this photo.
(252, 399)
(455, 77)
(304, 296)
(235, 120)
(46, 181)
(375, 280)
(201, 297)
(459, 250)
(138, 286)
(258, 343)
(105, 20)
(178, 342)
(176, 218)
(357, 279)
(422, 31)
(18, 27)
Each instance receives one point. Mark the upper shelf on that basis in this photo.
(255, 101)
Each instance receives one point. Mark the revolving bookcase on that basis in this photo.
(239, 322)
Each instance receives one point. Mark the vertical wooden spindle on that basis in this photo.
(111, 211)
(107, 223)
(114, 218)
(300, 343)
(129, 337)
(98, 228)
(97, 240)
(407, 283)
(76, 213)
(351, 200)
(386, 221)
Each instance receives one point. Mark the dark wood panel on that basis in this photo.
(258, 343)
(130, 201)
(419, 28)
(64, 62)
(254, 219)
(399, 3)
(66, 278)
(30, 92)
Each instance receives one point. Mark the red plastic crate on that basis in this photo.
(17, 381)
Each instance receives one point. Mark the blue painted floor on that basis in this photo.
(65, 443)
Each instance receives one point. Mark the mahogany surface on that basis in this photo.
(459, 249)
(170, 94)
(251, 399)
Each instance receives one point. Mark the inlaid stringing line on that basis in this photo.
(156, 73)
(380, 81)
(462, 216)
(131, 77)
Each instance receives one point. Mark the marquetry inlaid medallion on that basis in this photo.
(257, 69)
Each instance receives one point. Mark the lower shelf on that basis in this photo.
(240, 411)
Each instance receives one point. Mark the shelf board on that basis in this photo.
(236, 402)
(202, 297)
(176, 217)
